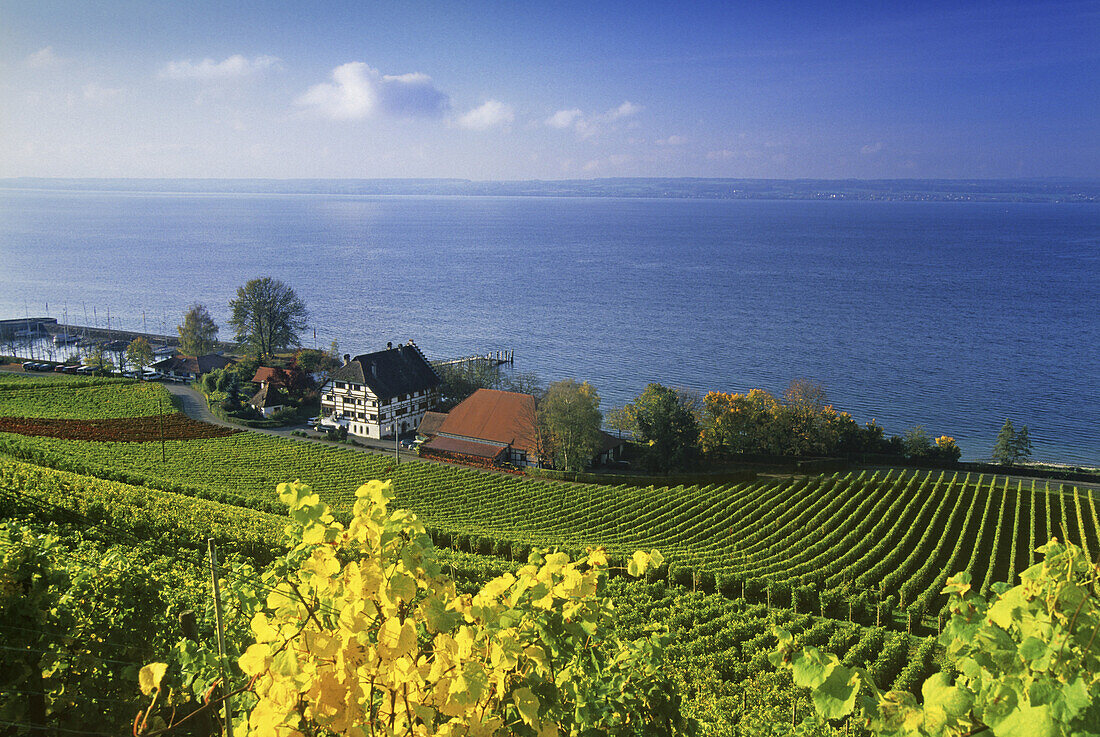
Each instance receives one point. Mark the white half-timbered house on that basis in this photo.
(376, 394)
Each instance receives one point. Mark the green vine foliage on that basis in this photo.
(1026, 661)
(77, 620)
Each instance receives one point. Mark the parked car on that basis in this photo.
(408, 444)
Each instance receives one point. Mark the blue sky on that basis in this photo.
(522, 90)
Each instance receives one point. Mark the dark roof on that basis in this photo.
(609, 441)
(494, 416)
(192, 365)
(463, 447)
(268, 396)
(431, 422)
(390, 373)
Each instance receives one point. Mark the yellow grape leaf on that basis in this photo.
(150, 676)
(527, 704)
(498, 586)
(376, 491)
(639, 563)
(262, 628)
(396, 639)
(256, 659)
(556, 561)
(597, 558)
(537, 655)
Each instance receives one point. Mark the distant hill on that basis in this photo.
(942, 190)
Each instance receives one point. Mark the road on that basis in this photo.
(193, 404)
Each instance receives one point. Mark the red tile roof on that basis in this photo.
(431, 422)
(490, 415)
(463, 447)
(266, 373)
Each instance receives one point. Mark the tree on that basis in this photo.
(460, 380)
(1011, 447)
(523, 383)
(917, 442)
(313, 361)
(198, 331)
(100, 361)
(140, 354)
(570, 418)
(947, 449)
(666, 428)
(1023, 663)
(618, 418)
(1022, 446)
(267, 315)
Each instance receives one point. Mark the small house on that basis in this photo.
(269, 400)
(190, 368)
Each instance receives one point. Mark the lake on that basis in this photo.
(953, 315)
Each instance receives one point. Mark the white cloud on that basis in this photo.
(491, 114)
(97, 93)
(872, 148)
(623, 111)
(586, 125)
(672, 140)
(234, 66)
(720, 155)
(44, 58)
(358, 91)
(564, 118)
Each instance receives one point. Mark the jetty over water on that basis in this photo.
(493, 358)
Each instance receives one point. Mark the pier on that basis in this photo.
(492, 358)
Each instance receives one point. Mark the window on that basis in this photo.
(385, 402)
(372, 418)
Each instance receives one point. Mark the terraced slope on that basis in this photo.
(871, 541)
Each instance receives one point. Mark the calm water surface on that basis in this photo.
(950, 315)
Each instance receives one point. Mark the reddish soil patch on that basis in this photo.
(176, 426)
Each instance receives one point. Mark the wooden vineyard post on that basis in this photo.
(221, 632)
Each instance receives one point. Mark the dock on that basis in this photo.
(492, 358)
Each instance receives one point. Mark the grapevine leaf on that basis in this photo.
(527, 704)
(150, 677)
(836, 696)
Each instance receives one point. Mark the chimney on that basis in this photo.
(347, 358)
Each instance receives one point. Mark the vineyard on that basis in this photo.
(145, 548)
(853, 563)
(80, 398)
(880, 543)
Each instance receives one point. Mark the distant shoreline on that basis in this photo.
(888, 190)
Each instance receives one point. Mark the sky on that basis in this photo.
(559, 90)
